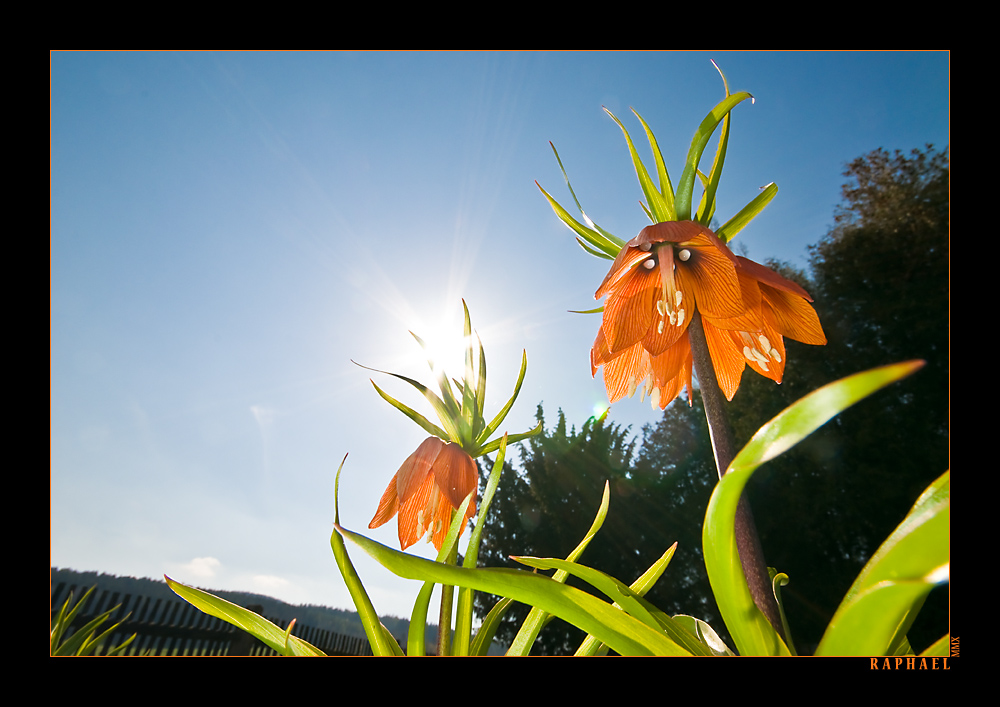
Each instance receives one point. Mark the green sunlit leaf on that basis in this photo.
(883, 601)
(463, 617)
(622, 596)
(610, 245)
(662, 211)
(623, 633)
(666, 188)
(243, 619)
(537, 618)
(498, 420)
(590, 222)
(749, 628)
(745, 215)
(590, 645)
(685, 186)
(707, 207)
(488, 629)
(418, 617)
(382, 643)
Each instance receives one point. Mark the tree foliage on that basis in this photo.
(879, 279)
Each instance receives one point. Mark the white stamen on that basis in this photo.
(645, 247)
(680, 317)
(654, 398)
(677, 298)
(764, 343)
(649, 264)
(684, 255)
(661, 307)
(659, 327)
(775, 355)
(747, 354)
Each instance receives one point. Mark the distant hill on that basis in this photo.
(336, 620)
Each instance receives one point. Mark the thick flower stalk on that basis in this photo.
(434, 480)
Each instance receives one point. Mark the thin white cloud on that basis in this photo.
(202, 567)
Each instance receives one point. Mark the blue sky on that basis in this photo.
(229, 230)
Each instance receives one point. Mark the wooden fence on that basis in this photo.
(176, 628)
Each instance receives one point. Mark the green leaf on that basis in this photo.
(685, 187)
(590, 222)
(611, 245)
(883, 601)
(537, 618)
(666, 188)
(662, 211)
(705, 633)
(626, 599)
(498, 420)
(736, 224)
(621, 632)
(382, 643)
(488, 629)
(707, 207)
(416, 416)
(257, 626)
(749, 628)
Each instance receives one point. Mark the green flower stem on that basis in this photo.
(447, 602)
(747, 540)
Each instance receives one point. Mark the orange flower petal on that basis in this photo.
(417, 513)
(628, 312)
(709, 274)
(727, 358)
(387, 506)
(793, 316)
(456, 475)
(765, 275)
(413, 472)
(624, 372)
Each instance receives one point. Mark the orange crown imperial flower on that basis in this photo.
(656, 284)
(677, 269)
(431, 483)
(436, 479)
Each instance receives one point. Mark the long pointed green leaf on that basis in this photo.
(418, 617)
(685, 186)
(470, 386)
(621, 632)
(745, 215)
(707, 207)
(463, 614)
(493, 446)
(243, 619)
(382, 643)
(606, 243)
(590, 222)
(590, 645)
(662, 211)
(537, 618)
(666, 187)
(625, 598)
(873, 617)
(747, 625)
(416, 416)
(488, 629)
(498, 420)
